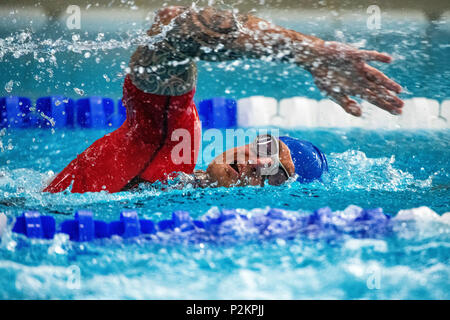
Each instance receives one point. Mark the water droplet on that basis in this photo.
(79, 91)
(263, 25)
(9, 86)
(100, 36)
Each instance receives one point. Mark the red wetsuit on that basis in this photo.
(140, 148)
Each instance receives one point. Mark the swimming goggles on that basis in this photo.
(267, 146)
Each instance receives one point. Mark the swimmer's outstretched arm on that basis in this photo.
(210, 34)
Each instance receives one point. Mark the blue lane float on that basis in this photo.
(120, 115)
(58, 112)
(97, 112)
(94, 112)
(129, 226)
(61, 112)
(218, 113)
(84, 227)
(33, 225)
(181, 220)
(14, 112)
(223, 226)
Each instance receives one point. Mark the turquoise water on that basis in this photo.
(406, 258)
(369, 169)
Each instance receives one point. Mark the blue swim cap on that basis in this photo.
(310, 163)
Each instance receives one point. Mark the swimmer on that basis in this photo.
(158, 95)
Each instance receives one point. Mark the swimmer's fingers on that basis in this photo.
(385, 94)
(375, 75)
(383, 100)
(372, 55)
(370, 91)
(349, 105)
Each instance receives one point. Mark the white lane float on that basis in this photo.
(299, 112)
(256, 111)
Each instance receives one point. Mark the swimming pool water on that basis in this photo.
(393, 170)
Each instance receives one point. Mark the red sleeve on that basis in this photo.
(140, 147)
(112, 161)
(108, 164)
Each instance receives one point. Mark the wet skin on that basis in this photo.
(241, 167)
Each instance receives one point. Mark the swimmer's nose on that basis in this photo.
(264, 162)
(260, 162)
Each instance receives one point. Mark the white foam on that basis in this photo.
(256, 111)
(421, 214)
(357, 244)
(299, 112)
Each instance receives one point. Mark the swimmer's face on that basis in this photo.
(246, 166)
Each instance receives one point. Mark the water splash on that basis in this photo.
(43, 49)
(353, 170)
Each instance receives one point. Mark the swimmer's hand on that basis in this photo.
(342, 71)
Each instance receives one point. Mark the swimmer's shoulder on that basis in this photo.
(158, 67)
(159, 70)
